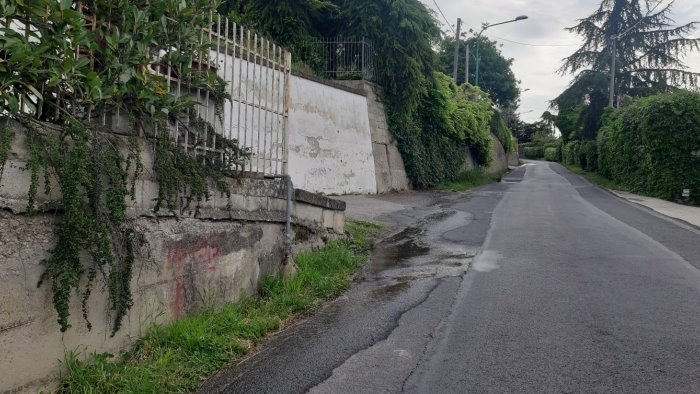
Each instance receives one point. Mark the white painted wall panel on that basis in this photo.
(330, 144)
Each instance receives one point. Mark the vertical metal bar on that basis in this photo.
(252, 101)
(200, 60)
(227, 132)
(466, 71)
(287, 102)
(240, 92)
(267, 105)
(206, 93)
(260, 94)
(219, 118)
(279, 112)
(273, 108)
(247, 88)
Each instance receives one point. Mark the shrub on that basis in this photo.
(550, 154)
(588, 156)
(653, 145)
(533, 152)
(570, 153)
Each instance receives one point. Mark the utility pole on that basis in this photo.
(613, 67)
(466, 68)
(455, 66)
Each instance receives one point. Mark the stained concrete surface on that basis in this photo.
(542, 283)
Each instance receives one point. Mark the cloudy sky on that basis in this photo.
(536, 64)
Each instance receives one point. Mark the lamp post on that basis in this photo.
(478, 42)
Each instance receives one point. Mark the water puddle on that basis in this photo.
(389, 291)
(390, 255)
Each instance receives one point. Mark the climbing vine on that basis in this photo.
(5, 140)
(68, 66)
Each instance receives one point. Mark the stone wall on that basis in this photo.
(212, 254)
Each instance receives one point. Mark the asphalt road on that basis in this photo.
(543, 283)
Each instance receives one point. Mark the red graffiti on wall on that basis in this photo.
(186, 258)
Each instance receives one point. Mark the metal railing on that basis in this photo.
(255, 112)
(257, 73)
(340, 58)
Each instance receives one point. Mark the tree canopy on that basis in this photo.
(495, 74)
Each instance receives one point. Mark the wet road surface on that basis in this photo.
(541, 283)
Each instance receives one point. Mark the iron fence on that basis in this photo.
(254, 113)
(340, 58)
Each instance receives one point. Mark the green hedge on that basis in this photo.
(533, 152)
(581, 154)
(653, 146)
(550, 154)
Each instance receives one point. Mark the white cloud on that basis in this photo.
(536, 66)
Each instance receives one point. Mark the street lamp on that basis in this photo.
(478, 41)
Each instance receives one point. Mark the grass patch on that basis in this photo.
(178, 356)
(469, 180)
(596, 178)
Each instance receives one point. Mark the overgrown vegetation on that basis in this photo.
(496, 75)
(648, 49)
(551, 154)
(429, 116)
(178, 356)
(653, 146)
(533, 152)
(499, 128)
(63, 66)
(649, 144)
(469, 179)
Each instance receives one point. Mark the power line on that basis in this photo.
(523, 43)
(443, 16)
(534, 45)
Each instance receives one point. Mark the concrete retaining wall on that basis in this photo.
(501, 159)
(186, 264)
(213, 253)
(330, 145)
(388, 163)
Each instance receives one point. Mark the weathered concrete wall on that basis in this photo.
(513, 158)
(212, 254)
(330, 145)
(187, 264)
(389, 166)
(500, 160)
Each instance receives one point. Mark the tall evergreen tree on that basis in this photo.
(648, 54)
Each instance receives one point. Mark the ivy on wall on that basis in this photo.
(63, 65)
